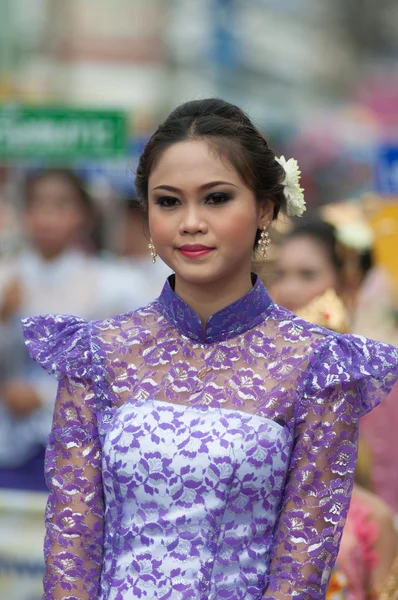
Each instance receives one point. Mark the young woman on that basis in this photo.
(203, 447)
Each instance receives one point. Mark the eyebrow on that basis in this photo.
(203, 187)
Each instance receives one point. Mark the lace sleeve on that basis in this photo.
(317, 497)
(348, 376)
(74, 515)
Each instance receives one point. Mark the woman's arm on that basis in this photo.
(316, 498)
(74, 514)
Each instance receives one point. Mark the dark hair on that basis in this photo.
(66, 175)
(133, 205)
(325, 235)
(231, 134)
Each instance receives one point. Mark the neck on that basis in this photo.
(208, 299)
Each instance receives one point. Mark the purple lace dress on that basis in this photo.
(192, 465)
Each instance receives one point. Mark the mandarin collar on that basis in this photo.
(232, 320)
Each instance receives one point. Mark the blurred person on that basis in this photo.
(196, 444)
(355, 242)
(9, 227)
(309, 277)
(132, 241)
(53, 272)
(312, 259)
(376, 316)
(307, 264)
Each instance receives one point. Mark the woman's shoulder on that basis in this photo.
(319, 339)
(70, 344)
(294, 330)
(138, 325)
(59, 343)
(339, 360)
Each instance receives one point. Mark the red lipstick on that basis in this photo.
(195, 250)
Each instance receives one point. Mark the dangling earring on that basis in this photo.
(152, 250)
(264, 241)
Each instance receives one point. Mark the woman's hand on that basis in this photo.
(20, 398)
(12, 299)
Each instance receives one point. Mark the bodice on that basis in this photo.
(191, 496)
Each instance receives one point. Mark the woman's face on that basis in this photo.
(303, 271)
(202, 217)
(54, 215)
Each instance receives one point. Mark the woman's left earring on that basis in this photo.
(152, 250)
(264, 241)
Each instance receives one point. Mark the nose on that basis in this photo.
(192, 221)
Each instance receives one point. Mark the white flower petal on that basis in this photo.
(294, 194)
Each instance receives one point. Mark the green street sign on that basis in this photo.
(61, 133)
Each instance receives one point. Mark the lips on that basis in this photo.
(195, 250)
(194, 247)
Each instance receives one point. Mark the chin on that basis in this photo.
(199, 276)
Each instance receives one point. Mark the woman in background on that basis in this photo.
(54, 272)
(132, 248)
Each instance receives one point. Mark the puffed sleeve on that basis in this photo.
(347, 377)
(371, 365)
(74, 514)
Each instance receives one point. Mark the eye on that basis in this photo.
(217, 198)
(167, 201)
(309, 275)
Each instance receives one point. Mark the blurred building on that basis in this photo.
(280, 58)
(319, 74)
(91, 52)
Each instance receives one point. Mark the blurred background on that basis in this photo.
(83, 84)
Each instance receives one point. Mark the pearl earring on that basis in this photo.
(152, 250)
(264, 241)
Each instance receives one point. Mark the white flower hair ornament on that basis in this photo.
(294, 194)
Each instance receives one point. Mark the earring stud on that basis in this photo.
(264, 241)
(152, 250)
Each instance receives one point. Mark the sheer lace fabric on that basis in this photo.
(191, 464)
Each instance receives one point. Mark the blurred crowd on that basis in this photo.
(64, 252)
(56, 262)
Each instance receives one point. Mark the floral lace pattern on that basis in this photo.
(201, 464)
